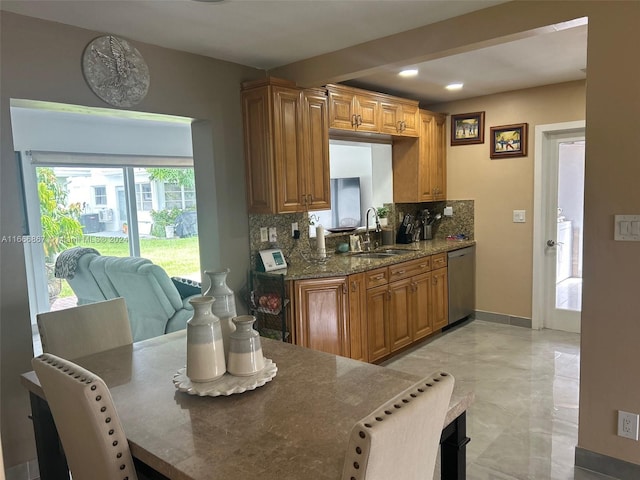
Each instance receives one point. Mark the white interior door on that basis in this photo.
(557, 252)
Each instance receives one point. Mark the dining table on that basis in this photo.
(296, 426)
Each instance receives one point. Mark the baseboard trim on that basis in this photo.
(614, 467)
(503, 318)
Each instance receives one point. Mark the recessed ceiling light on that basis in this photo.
(454, 86)
(409, 72)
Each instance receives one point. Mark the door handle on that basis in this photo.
(552, 243)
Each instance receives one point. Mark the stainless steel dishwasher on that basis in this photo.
(462, 283)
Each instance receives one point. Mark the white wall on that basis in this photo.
(101, 131)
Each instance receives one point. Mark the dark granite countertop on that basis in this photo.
(339, 264)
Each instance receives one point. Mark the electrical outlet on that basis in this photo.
(294, 227)
(273, 235)
(628, 425)
(264, 234)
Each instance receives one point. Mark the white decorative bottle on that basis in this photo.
(245, 349)
(225, 305)
(205, 350)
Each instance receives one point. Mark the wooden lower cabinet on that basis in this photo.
(378, 322)
(422, 306)
(366, 317)
(439, 298)
(401, 313)
(358, 341)
(321, 314)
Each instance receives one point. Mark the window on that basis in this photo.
(144, 199)
(100, 195)
(176, 196)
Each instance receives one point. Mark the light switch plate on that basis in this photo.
(627, 228)
(519, 216)
(273, 235)
(448, 211)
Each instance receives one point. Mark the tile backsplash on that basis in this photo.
(460, 223)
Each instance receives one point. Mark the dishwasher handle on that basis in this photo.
(461, 252)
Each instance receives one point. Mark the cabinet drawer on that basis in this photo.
(400, 271)
(438, 261)
(379, 276)
(418, 266)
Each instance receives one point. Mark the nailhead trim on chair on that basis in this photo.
(356, 474)
(98, 398)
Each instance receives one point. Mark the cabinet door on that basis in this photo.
(410, 120)
(390, 118)
(400, 312)
(378, 322)
(439, 298)
(288, 149)
(421, 305)
(341, 110)
(316, 150)
(366, 109)
(358, 317)
(321, 315)
(427, 127)
(439, 159)
(259, 167)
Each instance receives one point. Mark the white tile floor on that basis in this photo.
(569, 294)
(523, 423)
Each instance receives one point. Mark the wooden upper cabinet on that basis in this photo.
(399, 118)
(288, 149)
(315, 123)
(419, 165)
(286, 133)
(362, 111)
(439, 158)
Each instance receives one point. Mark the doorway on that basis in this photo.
(558, 200)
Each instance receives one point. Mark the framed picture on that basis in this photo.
(509, 141)
(467, 128)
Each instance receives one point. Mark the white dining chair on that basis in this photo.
(79, 331)
(400, 439)
(88, 425)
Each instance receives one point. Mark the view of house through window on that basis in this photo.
(89, 209)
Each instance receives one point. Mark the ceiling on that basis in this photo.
(270, 33)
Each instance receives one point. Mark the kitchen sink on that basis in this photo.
(374, 255)
(390, 252)
(394, 251)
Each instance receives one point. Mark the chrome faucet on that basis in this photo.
(366, 244)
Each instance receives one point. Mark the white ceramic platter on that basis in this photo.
(226, 385)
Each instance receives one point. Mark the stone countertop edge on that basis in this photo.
(342, 264)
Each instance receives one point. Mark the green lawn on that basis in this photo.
(178, 256)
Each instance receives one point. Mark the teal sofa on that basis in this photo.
(154, 302)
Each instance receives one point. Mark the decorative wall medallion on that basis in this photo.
(115, 71)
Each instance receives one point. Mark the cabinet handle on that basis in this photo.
(399, 128)
(388, 294)
(354, 286)
(344, 288)
(434, 281)
(403, 126)
(399, 272)
(424, 265)
(310, 199)
(380, 276)
(354, 120)
(359, 120)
